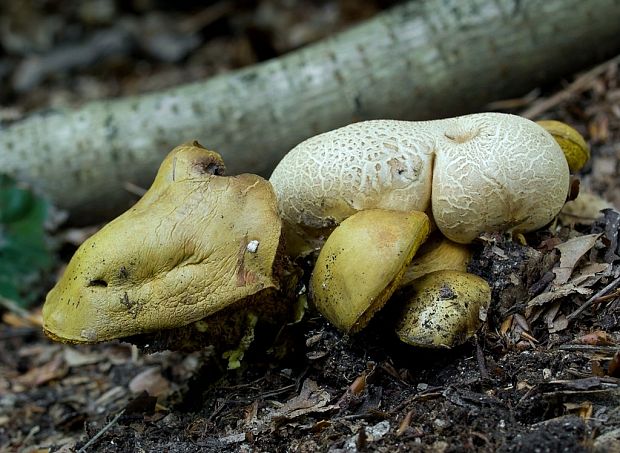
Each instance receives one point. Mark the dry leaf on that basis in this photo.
(150, 381)
(557, 293)
(560, 323)
(404, 424)
(585, 209)
(571, 252)
(311, 399)
(75, 358)
(613, 369)
(590, 274)
(54, 369)
(596, 338)
(583, 410)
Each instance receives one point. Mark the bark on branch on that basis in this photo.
(423, 59)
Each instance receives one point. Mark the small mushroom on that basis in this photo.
(573, 145)
(196, 243)
(483, 172)
(438, 253)
(362, 262)
(444, 309)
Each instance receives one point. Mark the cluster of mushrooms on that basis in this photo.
(377, 206)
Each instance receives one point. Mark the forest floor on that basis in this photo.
(542, 375)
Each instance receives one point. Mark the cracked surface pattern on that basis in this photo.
(486, 172)
(371, 164)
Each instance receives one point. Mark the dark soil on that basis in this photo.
(542, 378)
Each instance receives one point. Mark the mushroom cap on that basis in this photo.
(496, 172)
(436, 254)
(368, 165)
(574, 146)
(361, 263)
(444, 309)
(195, 243)
(486, 172)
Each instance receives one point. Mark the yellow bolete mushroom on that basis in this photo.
(572, 143)
(196, 243)
(443, 309)
(362, 262)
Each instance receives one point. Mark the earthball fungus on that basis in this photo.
(476, 173)
(196, 243)
(487, 172)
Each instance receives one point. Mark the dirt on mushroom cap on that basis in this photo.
(443, 309)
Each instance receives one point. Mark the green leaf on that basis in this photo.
(25, 255)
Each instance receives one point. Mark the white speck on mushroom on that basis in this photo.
(252, 246)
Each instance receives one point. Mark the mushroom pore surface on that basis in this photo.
(482, 172)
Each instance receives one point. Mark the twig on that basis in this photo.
(588, 348)
(101, 432)
(417, 397)
(592, 299)
(484, 374)
(578, 85)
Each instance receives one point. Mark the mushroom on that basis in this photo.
(362, 262)
(195, 245)
(444, 309)
(438, 253)
(201, 254)
(479, 173)
(572, 143)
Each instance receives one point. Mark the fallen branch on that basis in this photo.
(422, 59)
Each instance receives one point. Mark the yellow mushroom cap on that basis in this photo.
(193, 245)
(438, 253)
(444, 309)
(574, 146)
(361, 263)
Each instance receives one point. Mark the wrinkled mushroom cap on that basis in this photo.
(361, 263)
(368, 165)
(194, 244)
(496, 172)
(480, 173)
(443, 309)
(574, 146)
